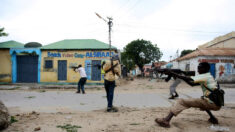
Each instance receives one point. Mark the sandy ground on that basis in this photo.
(127, 119)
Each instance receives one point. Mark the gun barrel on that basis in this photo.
(189, 73)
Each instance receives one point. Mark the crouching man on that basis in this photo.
(204, 79)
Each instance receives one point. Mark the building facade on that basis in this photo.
(219, 53)
(53, 63)
(147, 68)
(6, 60)
(222, 64)
(225, 41)
(59, 59)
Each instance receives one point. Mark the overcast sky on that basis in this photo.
(171, 24)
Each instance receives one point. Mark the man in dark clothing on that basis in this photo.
(82, 80)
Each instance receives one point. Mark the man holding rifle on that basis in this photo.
(83, 78)
(112, 68)
(177, 81)
(206, 80)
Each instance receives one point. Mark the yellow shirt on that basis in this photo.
(109, 75)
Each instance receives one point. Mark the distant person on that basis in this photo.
(206, 80)
(82, 80)
(177, 81)
(153, 65)
(173, 93)
(111, 67)
(151, 71)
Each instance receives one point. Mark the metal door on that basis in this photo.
(62, 69)
(88, 66)
(228, 69)
(212, 69)
(27, 69)
(96, 71)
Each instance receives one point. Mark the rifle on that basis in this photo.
(96, 65)
(74, 67)
(177, 71)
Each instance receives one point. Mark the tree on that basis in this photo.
(141, 52)
(128, 62)
(185, 52)
(2, 33)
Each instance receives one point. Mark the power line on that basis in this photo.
(131, 8)
(170, 29)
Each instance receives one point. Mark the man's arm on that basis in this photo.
(117, 69)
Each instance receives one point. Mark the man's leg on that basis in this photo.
(79, 86)
(106, 86)
(165, 122)
(183, 104)
(172, 92)
(111, 92)
(172, 89)
(82, 87)
(212, 118)
(83, 82)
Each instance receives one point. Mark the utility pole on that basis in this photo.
(110, 23)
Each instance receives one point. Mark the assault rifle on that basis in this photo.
(89, 65)
(177, 71)
(74, 67)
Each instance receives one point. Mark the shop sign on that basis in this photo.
(216, 60)
(94, 54)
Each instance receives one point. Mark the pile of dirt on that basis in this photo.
(4, 116)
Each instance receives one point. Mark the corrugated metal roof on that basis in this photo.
(11, 44)
(209, 52)
(78, 44)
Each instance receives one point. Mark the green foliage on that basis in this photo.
(140, 52)
(69, 127)
(185, 52)
(128, 62)
(13, 120)
(2, 33)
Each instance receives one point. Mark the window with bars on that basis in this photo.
(48, 64)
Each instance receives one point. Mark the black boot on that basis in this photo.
(172, 97)
(212, 118)
(112, 109)
(164, 122)
(78, 91)
(176, 94)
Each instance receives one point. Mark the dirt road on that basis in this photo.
(139, 102)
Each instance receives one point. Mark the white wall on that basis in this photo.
(223, 65)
